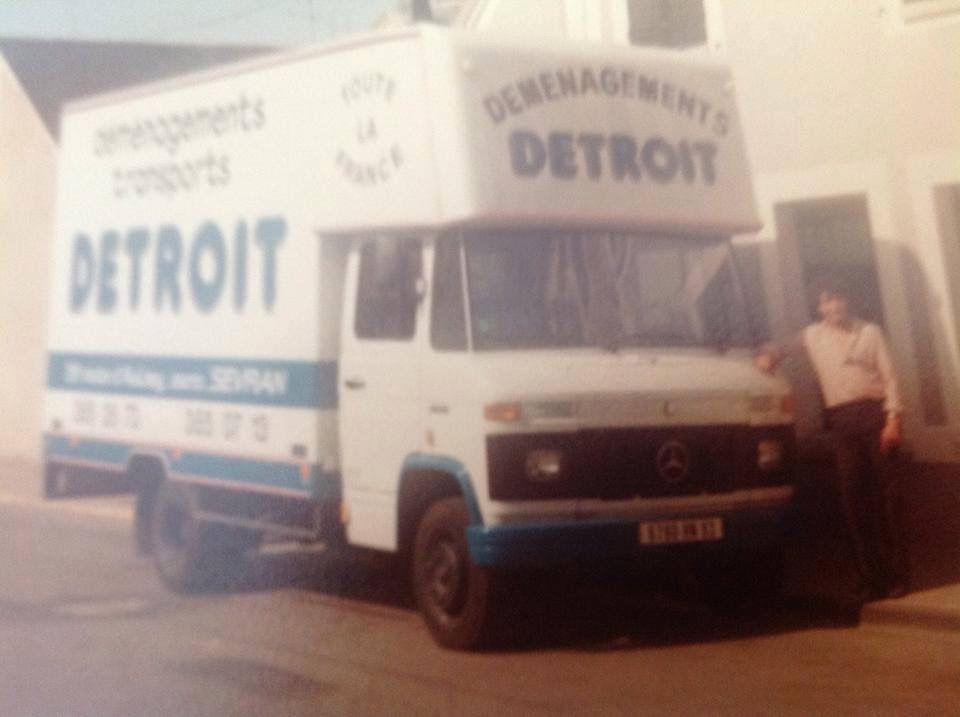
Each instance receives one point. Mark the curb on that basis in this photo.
(21, 487)
(932, 610)
(110, 510)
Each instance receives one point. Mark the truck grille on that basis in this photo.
(616, 464)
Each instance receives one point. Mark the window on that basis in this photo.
(667, 23)
(546, 289)
(900, 15)
(834, 237)
(947, 202)
(387, 292)
(749, 266)
(933, 406)
(442, 12)
(920, 10)
(448, 330)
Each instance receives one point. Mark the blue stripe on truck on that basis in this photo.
(293, 384)
(186, 464)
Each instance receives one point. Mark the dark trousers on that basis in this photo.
(868, 482)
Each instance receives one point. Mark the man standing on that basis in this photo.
(861, 397)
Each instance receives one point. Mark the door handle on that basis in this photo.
(354, 383)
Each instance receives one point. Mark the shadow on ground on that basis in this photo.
(932, 518)
(632, 608)
(931, 530)
(666, 603)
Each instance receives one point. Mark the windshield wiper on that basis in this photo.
(616, 342)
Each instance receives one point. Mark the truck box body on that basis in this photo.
(190, 270)
(573, 363)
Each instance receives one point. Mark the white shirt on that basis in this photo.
(853, 364)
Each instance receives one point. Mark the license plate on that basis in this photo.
(691, 530)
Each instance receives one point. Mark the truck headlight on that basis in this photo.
(544, 465)
(769, 455)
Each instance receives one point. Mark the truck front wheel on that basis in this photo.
(453, 594)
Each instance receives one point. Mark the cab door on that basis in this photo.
(380, 391)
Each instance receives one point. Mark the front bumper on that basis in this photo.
(587, 543)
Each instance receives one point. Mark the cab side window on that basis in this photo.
(387, 294)
(448, 330)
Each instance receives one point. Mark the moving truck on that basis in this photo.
(466, 300)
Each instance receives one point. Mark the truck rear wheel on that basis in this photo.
(189, 554)
(453, 594)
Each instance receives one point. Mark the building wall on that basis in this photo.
(831, 83)
(842, 101)
(27, 171)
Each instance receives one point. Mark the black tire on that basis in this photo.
(454, 595)
(143, 519)
(190, 555)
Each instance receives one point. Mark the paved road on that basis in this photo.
(86, 629)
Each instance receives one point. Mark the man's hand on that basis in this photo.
(891, 436)
(765, 361)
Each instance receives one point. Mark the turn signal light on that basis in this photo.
(503, 412)
(788, 404)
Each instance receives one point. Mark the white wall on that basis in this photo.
(27, 171)
(827, 82)
(840, 98)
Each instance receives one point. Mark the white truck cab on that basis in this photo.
(426, 291)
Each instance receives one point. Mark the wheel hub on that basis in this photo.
(445, 576)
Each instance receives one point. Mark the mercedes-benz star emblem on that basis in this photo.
(673, 462)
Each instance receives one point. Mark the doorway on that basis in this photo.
(824, 236)
(832, 236)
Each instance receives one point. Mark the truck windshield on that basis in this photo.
(613, 291)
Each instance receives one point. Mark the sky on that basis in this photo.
(266, 22)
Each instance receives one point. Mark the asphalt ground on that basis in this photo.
(819, 568)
